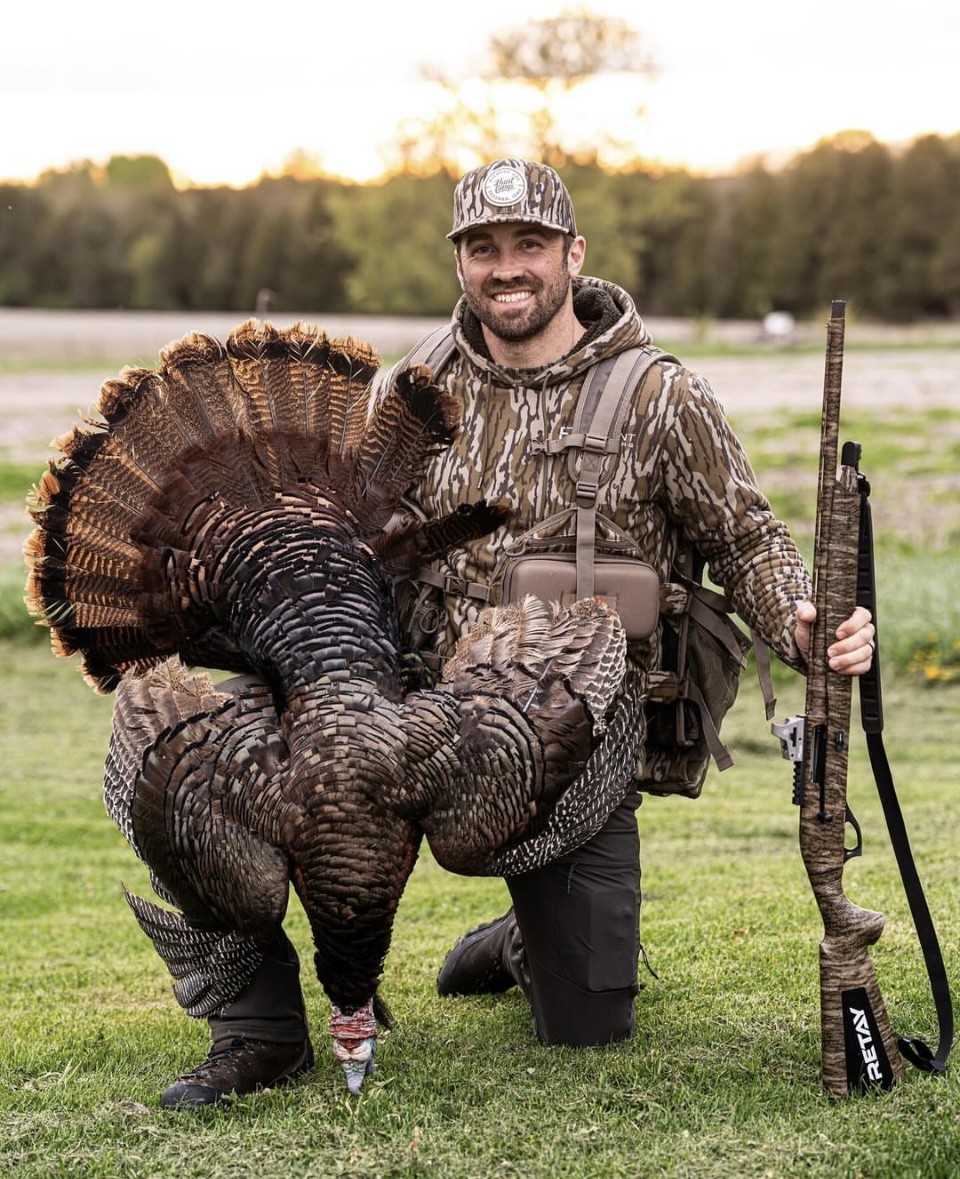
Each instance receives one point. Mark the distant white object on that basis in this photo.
(778, 325)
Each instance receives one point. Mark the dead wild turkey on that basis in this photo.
(232, 510)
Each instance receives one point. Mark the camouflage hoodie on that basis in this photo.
(682, 472)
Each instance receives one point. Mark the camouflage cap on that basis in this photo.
(512, 190)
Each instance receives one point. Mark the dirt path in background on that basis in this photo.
(40, 405)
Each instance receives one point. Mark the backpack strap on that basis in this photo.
(606, 397)
(435, 350)
(604, 401)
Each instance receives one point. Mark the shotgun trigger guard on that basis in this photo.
(850, 853)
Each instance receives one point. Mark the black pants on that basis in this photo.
(579, 925)
(270, 1007)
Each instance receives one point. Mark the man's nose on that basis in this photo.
(508, 265)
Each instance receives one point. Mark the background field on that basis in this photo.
(722, 1076)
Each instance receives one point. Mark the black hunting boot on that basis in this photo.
(238, 1066)
(260, 1041)
(485, 961)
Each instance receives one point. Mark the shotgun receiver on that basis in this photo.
(859, 1047)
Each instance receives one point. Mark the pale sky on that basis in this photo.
(223, 91)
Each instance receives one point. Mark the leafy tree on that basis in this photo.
(317, 263)
(513, 107)
(923, 230)
(165, 256)
(558, 55)
(608, 215)
(835, 205)
(739, 263)
(23, 212)
(222, 220)
(851, 218)
(397, 231)
(668, 218)
(138, 172)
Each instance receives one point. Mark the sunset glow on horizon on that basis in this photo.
(221, 100)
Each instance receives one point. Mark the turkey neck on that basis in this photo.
(309, 609)
(312, 612)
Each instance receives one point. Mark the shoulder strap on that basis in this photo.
(605, 399)
(603, 403)
(434, 350)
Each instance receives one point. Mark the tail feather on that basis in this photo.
(296, 386)
(198, 377)
(352, 366)
(417, 420)
(299, 382)
(261, 364)
(272, 419)
(151, 419)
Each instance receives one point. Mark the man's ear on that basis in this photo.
(456, 258)
(576, 255)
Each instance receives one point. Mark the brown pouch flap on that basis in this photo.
(631, 587)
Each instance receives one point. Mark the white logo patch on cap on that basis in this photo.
(504, 186)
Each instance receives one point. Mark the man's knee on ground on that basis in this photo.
(581, 1019)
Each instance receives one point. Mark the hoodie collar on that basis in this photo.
(608, 313)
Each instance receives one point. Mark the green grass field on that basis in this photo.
(722, 1077)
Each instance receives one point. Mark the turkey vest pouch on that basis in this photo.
(631, 587)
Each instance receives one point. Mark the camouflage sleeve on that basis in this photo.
(713, 497)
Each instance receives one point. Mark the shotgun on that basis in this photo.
(859, 1047)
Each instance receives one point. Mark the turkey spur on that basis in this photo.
(235, 509)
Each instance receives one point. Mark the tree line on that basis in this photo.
(852, 218)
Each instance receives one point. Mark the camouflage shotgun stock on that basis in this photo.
(859, 1046)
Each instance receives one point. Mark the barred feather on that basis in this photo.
(210, 968)
(531, 645)
(407, 429)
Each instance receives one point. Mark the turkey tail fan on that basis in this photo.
(86, 562)
(210, 968)
(272, 415)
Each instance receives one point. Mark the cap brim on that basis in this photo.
(506, 219)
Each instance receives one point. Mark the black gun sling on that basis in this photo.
(871, 719)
